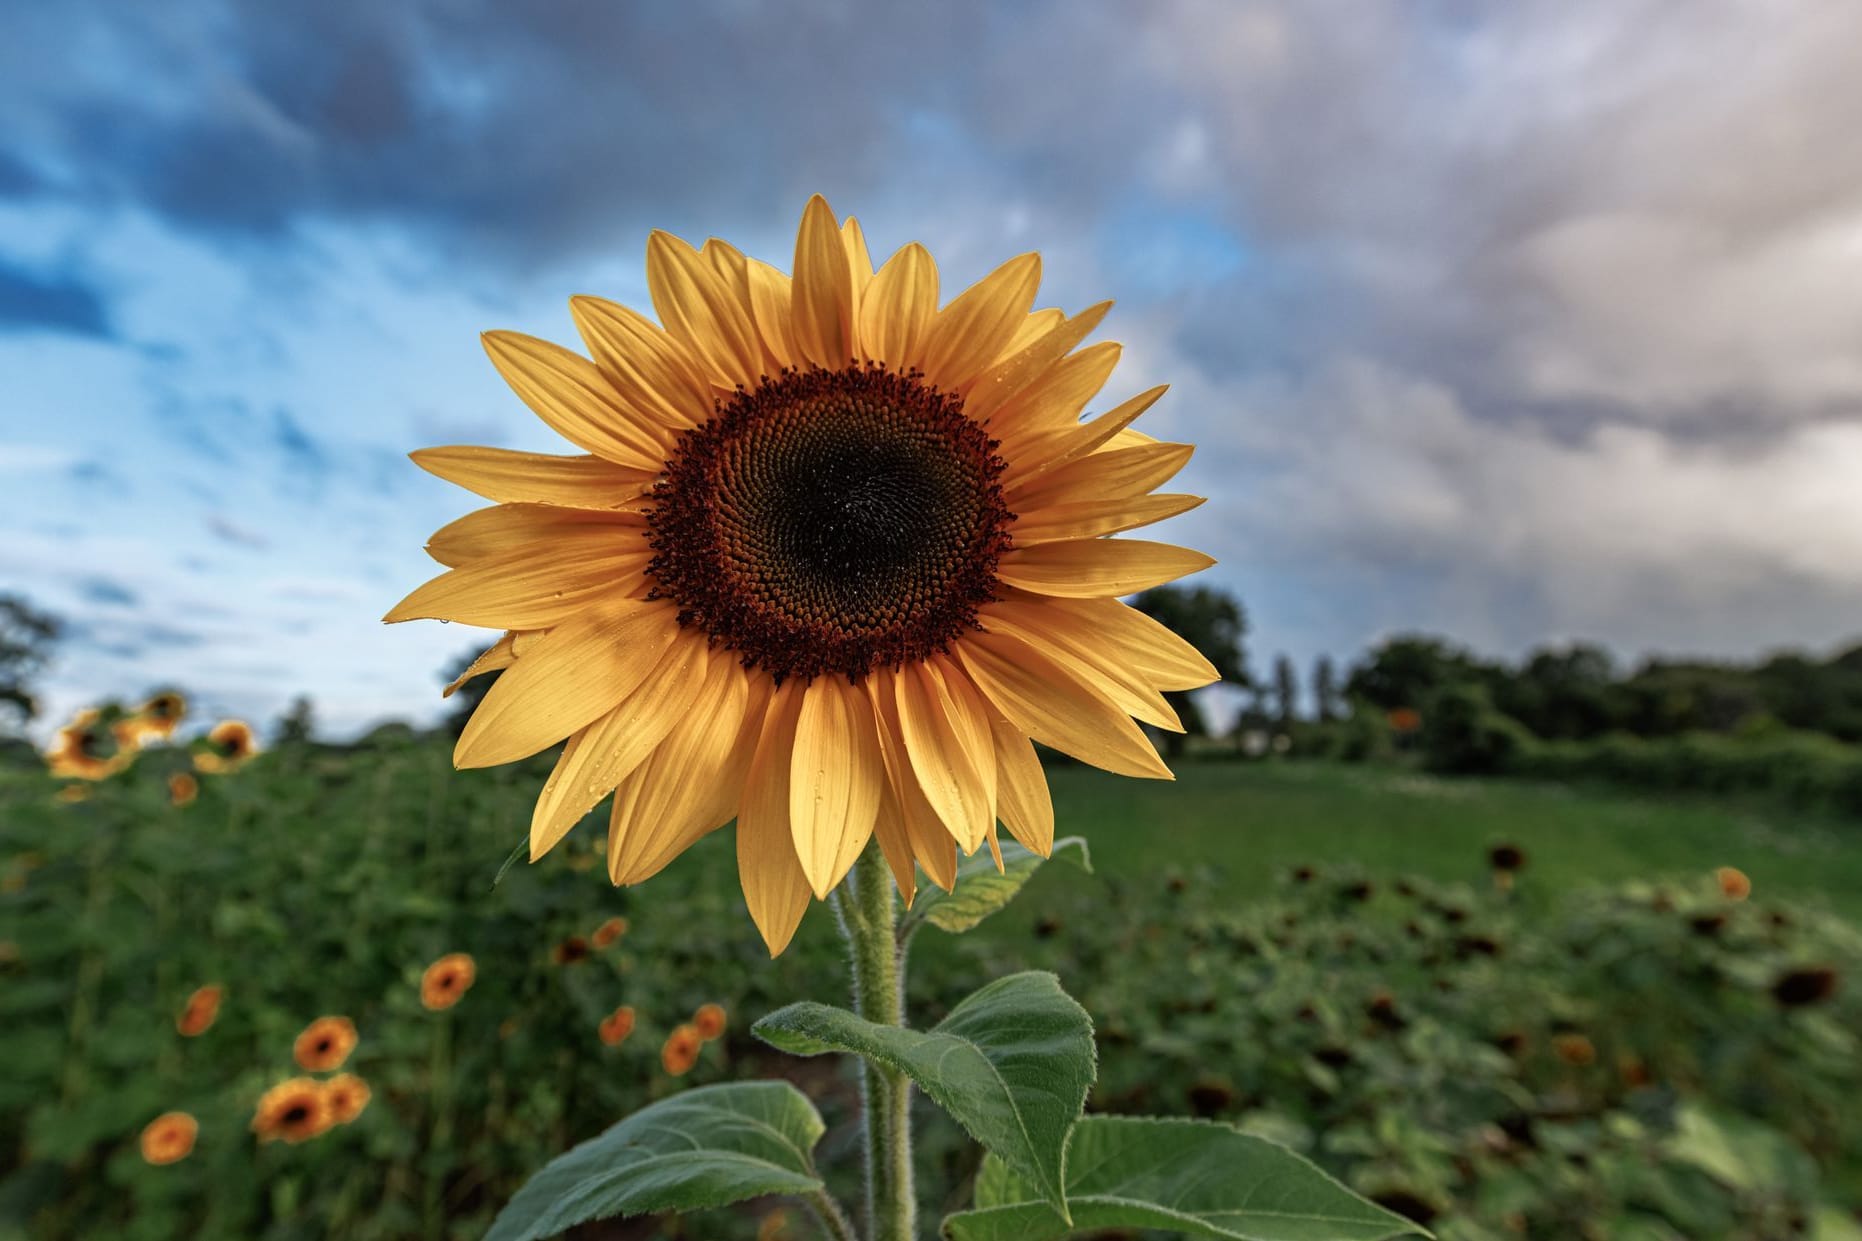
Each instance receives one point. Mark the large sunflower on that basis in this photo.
(832, 557)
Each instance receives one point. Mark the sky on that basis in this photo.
(1521, 323)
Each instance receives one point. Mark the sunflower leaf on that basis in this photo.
(981, 890)
(705, 1147)
(1189, 1178)
(1011, 1063)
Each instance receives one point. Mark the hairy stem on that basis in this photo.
(868, 918)
(833, 1221)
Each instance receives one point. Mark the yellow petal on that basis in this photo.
(733, 269)
(834, 781)
(1109, 474)
(1033, 328)
(650, 370)
(1143, 641)
(578, 671)
(999, 386)
(693, 781)
(571, 394)
(1050, 704)
(1090, 568)
(1083, 653)
(506, 528)
(894, 843)
(536, 478)
(854, 239)
(1022, 800)
(537, 587)
(775, 887)
(898, 309)
(770, 296)
(821, 295)
(930, 843)
(597, 757)
(946, 734)
(500, 654)
(703, 312)
(1088, 519)
(1038, 445)
(972, 331)
(1052, 403)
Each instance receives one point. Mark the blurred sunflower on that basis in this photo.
(228, 747)
(183, 788)
(834, 556)
(295, 1110)
(325, 1044)
(571, 951)
(88, 748)
(345, 1095)
(608, 932)
(616, 1026)
(446, 980)
(1734, 885)
(709, 1021)
(680, 1051)
(154, 720)
(201, 1010)
(169, 1138)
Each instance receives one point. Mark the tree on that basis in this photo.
(1212, 621)
(299, 724)
(1286, 692)
(1325, 689)
(1408, 670)
(26, 639)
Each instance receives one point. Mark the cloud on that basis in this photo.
(32, 301)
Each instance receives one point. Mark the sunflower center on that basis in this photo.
(830, 521)
(296, 1114)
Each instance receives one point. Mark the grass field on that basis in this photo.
(1253, 820)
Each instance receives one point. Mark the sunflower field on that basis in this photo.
(303, 1001)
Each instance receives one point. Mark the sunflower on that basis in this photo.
(709, 1021)
(1734, 885)
(832, 557)
(680, 1052)
(446, 980)
(183, 788)
(201, 1010)
(345, 1095)
(571, 951)
(154, 720)
(295, 1110)
(169, 1138)
(88, 748)
(229, 746)
(616, 1026)
(608, 932)
(325, 1044)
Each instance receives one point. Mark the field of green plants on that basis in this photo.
(1609, 1047)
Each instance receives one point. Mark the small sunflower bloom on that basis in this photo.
(325, 1044)
(200, 1012)
(87, 748)
(680, 1052)
(1734, 885)
(345, 1095)
(609, 932)
(571, 951)
(169, 1138)
(709, 1021)
(229, 745)
(295, 1110)
(183, 788)
(446, 980)
(154, 720)
(1404, 720)
(1574, 1049)
(616, 1026)
(833, 556)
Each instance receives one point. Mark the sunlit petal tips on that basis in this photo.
(834, 557)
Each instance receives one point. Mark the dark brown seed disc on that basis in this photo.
(831, 521)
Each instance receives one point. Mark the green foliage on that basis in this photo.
(1409, 670)
(707, 1147)
(1011, 1063)
(1803, 769)
(981, 889)
(1463, 734)
(1190, 1178)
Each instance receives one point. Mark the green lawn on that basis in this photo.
(1253, 820)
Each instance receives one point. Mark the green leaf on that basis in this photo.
(1012, 1064)
(1740, 1152)
(1191, 1178)
(705, 1147)
(981, 890)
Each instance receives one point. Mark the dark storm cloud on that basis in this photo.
(50, 301)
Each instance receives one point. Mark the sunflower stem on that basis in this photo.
(869, 920)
